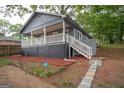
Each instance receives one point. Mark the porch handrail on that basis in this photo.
(80, 45)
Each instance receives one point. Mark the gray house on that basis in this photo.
(55, 35)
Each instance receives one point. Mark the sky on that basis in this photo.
(15, 19)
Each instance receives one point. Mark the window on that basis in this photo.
(79, 35)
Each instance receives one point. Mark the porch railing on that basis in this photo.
(80, 46)
(41, 41)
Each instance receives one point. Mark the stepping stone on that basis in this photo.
(96, 62)
(92, 71)
(90, 74)
(87, 80)
(84, 85)
(93, 68)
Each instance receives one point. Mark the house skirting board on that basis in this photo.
(54, 51)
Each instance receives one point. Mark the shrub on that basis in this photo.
(45, 72)
(61, 69)
(4, 62)
(67, 84)
(42, 72)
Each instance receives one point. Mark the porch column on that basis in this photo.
(74, 32)
(64, 33)
(31, 38)
(69, 51)
(44, 35)
(21, 40)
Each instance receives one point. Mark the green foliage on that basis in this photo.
(105, 23)
(61, 69)
(3, 54)
(45, 72)
(41, 72)
(15, 30)
(67, 84)
(15, 10)
(33, 7)
(12, 30)
(4, 25)
(4, 62)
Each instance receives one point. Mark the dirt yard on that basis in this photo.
(111, 74)
(18, 78)
(70, 77)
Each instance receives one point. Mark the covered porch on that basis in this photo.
(46, 35)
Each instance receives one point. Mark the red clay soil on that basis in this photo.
(52, 61)
(111, 74)
(71, 75)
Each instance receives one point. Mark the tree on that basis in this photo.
(22, 10)
(10, 29)
(10, 10)
(4, 25)
(14, 29)
(68, 10)
(103, 22)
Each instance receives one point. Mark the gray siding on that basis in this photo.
(30, 51)
(55, 51)
(40, 21)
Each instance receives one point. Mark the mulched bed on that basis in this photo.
(52, 61)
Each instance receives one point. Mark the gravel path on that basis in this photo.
(19, 78)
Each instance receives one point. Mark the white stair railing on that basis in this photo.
(79, 46)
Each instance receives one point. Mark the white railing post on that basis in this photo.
(44, 35)
(90, 51)
(74, 32)
(31, 38)
(64, 31)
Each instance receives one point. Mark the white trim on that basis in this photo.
(44, 35)
(31, 37)
(74, 32)
(64, 31)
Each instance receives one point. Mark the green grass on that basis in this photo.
(41, 72)
(113, 46)
(45, 72)
(4, 62)
(67, 84)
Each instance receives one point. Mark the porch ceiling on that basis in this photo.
(50, 28)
